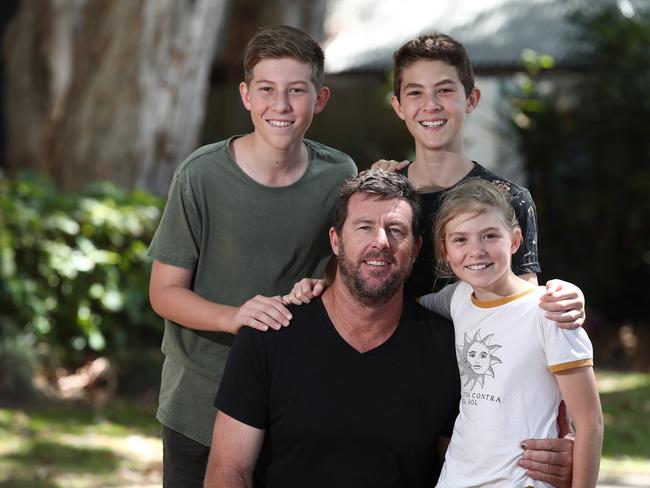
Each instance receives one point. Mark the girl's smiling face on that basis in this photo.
(479, 248)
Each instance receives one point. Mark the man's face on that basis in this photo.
(376, 248)
(433, 104)
(282, 100)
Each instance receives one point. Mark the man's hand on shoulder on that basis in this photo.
(260, 313)
(549, 460)
(564, 303)
(390, 164)
(304, 291)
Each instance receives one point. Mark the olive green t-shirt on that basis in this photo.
(241, 239)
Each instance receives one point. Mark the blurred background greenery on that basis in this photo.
(103, 99)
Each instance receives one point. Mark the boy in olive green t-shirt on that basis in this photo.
(245, 218)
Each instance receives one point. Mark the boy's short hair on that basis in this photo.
(381, 185)
(434, 47)
(284, 42)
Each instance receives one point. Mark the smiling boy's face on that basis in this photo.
(433, 104)
(282, 100)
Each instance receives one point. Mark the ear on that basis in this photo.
(472, 100)
(397, 107)
(334, 241)
(322, 97)
(245, 95)
(516, 240)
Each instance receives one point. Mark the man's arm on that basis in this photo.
(234, 452)
(172, 298)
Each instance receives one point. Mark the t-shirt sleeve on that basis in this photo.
(526, 259)
(440, 302)
(243, 392)
(565, 349)
(178, 235)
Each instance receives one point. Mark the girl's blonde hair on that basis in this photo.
(472, 195)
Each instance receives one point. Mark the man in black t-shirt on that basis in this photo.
(361, 388)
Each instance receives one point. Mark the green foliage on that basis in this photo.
(587, 151)
(73, 267)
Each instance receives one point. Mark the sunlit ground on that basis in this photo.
(72, 448)
(626, 406)
(119, 446)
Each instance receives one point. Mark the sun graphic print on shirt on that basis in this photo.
(476, 358)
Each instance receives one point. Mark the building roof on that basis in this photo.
(366, 33)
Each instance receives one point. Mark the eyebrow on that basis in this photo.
(270, 82)
(446, 81)
(362, 220)
(487, 229)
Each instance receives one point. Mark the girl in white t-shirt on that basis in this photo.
(515, 364)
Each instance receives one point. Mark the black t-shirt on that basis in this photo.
(335, 417)
(423, 278)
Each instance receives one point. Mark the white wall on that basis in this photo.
(488, 139)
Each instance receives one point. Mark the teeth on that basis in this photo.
(280, 123)
(376, 263)
(477, 267)
(436, 123)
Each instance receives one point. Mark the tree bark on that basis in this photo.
(111, 90)
(252, 14)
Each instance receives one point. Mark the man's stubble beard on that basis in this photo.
(353, 279)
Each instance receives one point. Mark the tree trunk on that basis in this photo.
(111, 90)
(308, 15)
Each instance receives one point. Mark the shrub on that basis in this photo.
(587, 155)
(73, 267)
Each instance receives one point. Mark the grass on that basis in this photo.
(63, 446)
(626, 409)
(119, 446)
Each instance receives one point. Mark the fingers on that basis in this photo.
(571, 319)
(562, 290)
(304, 291)
(318, 289)
(381, 164)
(548, 473)
(549, 460)
(564, 303)
(389, 164)
(567, 294)
(551, 304)
(402, 164)
(552, 449)
(569, 314)
(553, 286)
(263, 313)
